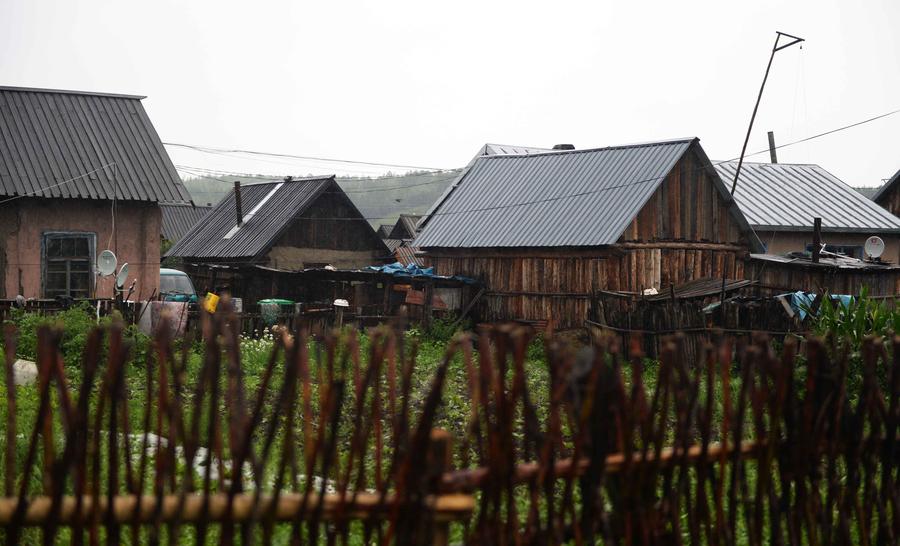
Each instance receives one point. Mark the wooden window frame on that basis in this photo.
(91, 259)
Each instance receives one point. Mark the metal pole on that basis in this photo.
(773, 157)
(775, 49)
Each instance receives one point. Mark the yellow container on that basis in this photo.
(211, 302)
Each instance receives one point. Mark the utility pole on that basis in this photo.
(776, 48)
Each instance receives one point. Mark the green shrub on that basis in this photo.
(76, 323)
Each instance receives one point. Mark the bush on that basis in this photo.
(76, 323)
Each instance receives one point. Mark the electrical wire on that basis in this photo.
(620, 186)
(217, 150)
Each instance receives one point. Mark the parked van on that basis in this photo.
(175, 285)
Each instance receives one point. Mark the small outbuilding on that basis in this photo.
(291, 225)
(544, 230)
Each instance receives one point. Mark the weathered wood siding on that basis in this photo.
(330, 232)
(556, 284)
(891, 200)
(686, 207)
(776, 278)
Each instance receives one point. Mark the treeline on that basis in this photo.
(380, 199)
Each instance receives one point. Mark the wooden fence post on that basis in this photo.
(440, 462)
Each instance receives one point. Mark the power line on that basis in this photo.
(196, 171)
(619, 186)
(217, 150)
(832, 131)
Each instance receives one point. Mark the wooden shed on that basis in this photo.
(291, 225)
(544, 230)
(835, 275)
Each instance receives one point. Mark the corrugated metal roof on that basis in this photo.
(392, 244)
(486, 150)
(405, 228)
(406, 255)
(50, 140)
(384, 230)
(281, 203)
(885, 188)
(178, 219)
(786, 197)
(564, 198)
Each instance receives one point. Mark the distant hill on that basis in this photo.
(380, 199)
(867, 191)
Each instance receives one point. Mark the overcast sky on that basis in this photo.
(426, 83)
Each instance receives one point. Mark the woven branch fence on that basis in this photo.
(335, 443)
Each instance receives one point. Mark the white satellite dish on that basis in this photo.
(874, 247)
(106, 263)
(122, 276)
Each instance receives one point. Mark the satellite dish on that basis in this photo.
(122, 276)
(874, 247)
(106, 263)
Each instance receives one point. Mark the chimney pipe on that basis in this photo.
(817, 239)
(237, 202)
(772, 155)
(563, 146)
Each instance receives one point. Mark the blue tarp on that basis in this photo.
(801, 301)
(412, 270)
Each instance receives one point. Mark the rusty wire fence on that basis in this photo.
(747, 446)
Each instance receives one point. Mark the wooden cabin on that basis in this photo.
(544, 230)
(291, 225)
(781, 200)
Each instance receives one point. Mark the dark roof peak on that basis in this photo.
(70, 92)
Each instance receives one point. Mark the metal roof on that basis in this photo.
(406, 255)
(486, 150)
(405, 228)
(559, 198)
(786, 197)
(73, 144)
(178, 219)
(268, 209)
(886, 187)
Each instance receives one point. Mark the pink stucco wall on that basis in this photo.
(136, 241)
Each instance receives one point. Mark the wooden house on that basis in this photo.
(780, 201)
(79, 173)
(291, 225)
(544, 230)
(888, 195)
